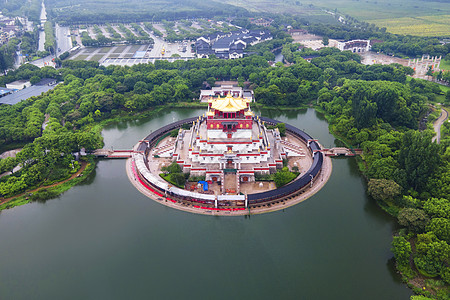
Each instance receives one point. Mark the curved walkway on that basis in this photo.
(320, 181)
(437, 125)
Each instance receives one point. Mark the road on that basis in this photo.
(43, 62)
(41, 40)
(63, 40)
(437, 125)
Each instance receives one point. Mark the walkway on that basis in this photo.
(337, 151)
(105, 153)
(319, 182)
(437, 125)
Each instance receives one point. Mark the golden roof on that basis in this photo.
(229, 104)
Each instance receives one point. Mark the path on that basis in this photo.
(319, 182)
(437, 125)
(83, 166)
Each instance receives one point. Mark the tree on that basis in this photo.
(35, 79)
(282, 128)
(441, 228)
(402, 250)
(419, 157)
(283, 177)
(178, 178)
(432, 254)
(325, 41)
(414, 219)
(437, 207)
(3, 64)
(383, 189)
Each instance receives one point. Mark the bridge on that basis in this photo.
(338, 151)
(105, 153)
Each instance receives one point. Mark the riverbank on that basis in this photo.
(50, 191)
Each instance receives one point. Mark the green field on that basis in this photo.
(81, 57)
(96, 57)
(420, 26)
(415, 17)
(445, 64)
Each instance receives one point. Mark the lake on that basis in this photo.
(105, 240)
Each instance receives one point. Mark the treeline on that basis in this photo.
(88, 12)
(30, 9)
(101, 40)
(151, 28)
(50, 41)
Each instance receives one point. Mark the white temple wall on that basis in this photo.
(221, 148)
(220, 134)
(216, 134)
(253, 159)
(243, 134)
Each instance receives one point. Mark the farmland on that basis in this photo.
(420, 26)
(422, 18)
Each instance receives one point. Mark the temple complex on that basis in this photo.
(229, 137)
(228, 153)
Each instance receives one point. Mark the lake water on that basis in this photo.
(105, 240)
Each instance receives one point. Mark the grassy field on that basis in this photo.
(445, 65)
(415, 17)
(81, 57)
(96, 57)
(420, 26)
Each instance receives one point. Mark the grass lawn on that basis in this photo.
(96, 57)
(105, 50)
(445, 64)
(89, 50)
(419, 26)
(134, 48)
(413, 17)
(81, 57)
(119, 49)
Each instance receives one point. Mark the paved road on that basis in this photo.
(63, 40)
(437, 125)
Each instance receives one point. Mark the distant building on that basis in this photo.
(294, 32)
(18, 84)
(43, 86)
(229, 45)
(225, 90)
(261, 22)
(356, 46)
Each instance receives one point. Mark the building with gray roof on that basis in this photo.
(43, 86)
(229, 45)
